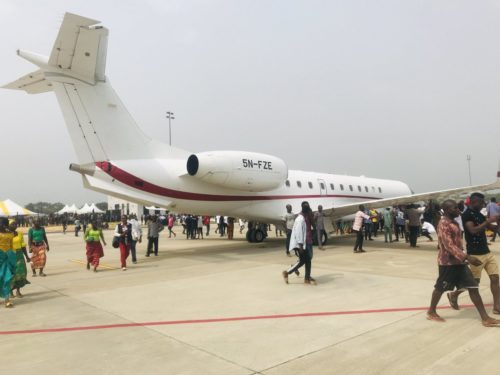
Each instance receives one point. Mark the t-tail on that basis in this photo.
(100, 126)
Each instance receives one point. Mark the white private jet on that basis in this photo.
(117, 158)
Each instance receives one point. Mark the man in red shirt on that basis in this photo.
(453, 271)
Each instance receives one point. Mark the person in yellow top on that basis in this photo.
(19, 246)
(374, 220)
(7, 261)
(93, 236)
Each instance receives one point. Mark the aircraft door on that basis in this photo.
(322, 187)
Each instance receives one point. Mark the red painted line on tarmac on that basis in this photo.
(221, 320)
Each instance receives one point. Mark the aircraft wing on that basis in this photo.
(341, 211)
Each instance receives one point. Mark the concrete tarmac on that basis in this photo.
(216, 306)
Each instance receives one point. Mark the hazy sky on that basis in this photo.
(391, 89)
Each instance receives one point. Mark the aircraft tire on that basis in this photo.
(250, 235)
(258, 236)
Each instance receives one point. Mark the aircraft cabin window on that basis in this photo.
(287, 183)
(379, 190)
(366, 189)
(359, 188)
(310, 184)
(350, 188)
(332, 187)
(322, 185)
(299, 184)
(341, 187)
(373, 188)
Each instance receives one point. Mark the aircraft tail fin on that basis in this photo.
(100, 126)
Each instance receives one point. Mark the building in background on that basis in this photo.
(116, 204)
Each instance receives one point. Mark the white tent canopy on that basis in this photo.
(68, 210)
(96, 209)
(63, 210)
(89, 209)
(11, 208)
(84, 210)
(72, 209)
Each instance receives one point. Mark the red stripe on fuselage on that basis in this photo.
(140, 184)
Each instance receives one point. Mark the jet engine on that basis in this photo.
(246, 171)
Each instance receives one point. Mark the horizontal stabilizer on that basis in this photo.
(33, 83)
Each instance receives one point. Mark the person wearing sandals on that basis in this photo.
(93, 237)
(123, 232)
(475, 225)
(453, 269)
(7, 261)
(19, 280)
(38, 245)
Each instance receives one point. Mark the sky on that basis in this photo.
(401, 90)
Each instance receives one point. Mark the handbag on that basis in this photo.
(116, 242)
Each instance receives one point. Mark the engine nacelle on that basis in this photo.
(240, 170)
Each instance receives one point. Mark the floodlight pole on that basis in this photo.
(470, 177)
(170, 116)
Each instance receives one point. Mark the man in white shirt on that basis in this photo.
(136, 236)
(289, 219)
(427, 230)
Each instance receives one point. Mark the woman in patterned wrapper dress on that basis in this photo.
(7, 261)
(38, 244)
(22, 257)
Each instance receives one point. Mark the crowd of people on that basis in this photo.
(459, 269)
(14, 257)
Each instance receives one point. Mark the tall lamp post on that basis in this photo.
(170, 116)
(470, 178)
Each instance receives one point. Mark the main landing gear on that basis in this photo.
(257, 232)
